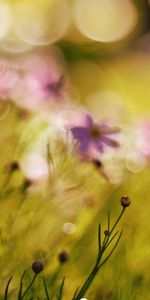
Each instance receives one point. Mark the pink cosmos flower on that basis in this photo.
(43, 82)
(35, 167)
(143, 137)
(94, 136)
(8, 79)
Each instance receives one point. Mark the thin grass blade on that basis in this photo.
(45, 288)
(7, 288)
(21, 286)
(60, 293)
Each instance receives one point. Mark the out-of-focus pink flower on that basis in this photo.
(8, 79)
(143, 137)
(35, 167)
(94, 136)
(43, 82)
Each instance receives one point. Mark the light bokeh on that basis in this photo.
(5, 18)
(40, 24)
(105, 21)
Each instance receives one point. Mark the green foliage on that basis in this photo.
(79, 293)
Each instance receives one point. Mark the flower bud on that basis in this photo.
(97, 163)
(106, 232)
(13, 166)
(125, 201)
(37, 267)
(63, 257)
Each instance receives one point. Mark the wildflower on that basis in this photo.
(63, 256)
(37, 267)
(35, 166)
(8, 79)
(143, 137)
(55, 87)
(43, 82)
(125, 201)
(94, 136)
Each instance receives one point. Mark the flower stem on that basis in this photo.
(30, 285)
(101, 249)
(117, 221)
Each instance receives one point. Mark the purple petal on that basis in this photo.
(110, 142)
(89, 121)
(84, 146)
(108, 130)
(79, 133)
(98, 145)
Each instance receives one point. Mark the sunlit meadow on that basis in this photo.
(74, 149)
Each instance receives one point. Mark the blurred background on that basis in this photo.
(60, 59)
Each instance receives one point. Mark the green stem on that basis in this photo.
(6, 183)
(114, 226)
(105, 244)
(60, 293)
(86, 285)
(75, 293)
(117, 221)
(104, 261)
(90, 277)
(30, 285)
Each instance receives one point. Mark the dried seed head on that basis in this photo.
(106, 232)
(37, 267)
(97, 163)
(13, 166)
(26, 184)
(63, 257)
(125, 201)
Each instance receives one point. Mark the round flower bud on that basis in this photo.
(125, 201)
(37, 267)
(14, 166)
(106, 232)
(63, 257)
(97, 163)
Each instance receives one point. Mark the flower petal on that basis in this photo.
(89, 121)
(80, 133)
(84, 146)
(110, 142)
(99, 146)
(105, 129)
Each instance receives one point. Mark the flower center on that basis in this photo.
(55, 87)
(95, 132)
